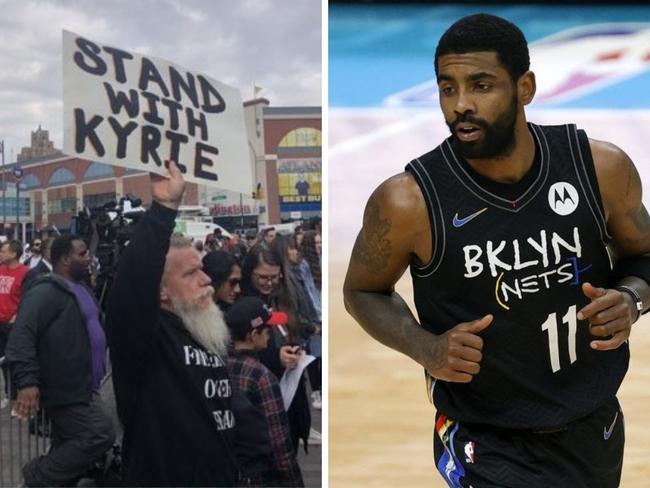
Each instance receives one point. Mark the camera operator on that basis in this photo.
(168, 346)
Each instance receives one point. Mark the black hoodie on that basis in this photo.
(173, 397)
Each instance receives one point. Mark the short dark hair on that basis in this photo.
(15, 247)
(62, 246)
(484, 32)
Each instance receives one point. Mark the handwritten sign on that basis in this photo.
(137, 111)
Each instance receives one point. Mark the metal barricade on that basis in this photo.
(20, 440)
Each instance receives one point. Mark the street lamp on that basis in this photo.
(4, 214)
(18, 174)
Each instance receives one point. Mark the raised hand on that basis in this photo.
(456, 354)
(610, 313)
(168, 191)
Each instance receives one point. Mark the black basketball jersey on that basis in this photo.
(521, 253)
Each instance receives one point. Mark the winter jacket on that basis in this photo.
(49, 344)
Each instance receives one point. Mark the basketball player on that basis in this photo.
(509, 230)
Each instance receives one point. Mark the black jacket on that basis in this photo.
(173, 397)
(38, 270)
(49, 344)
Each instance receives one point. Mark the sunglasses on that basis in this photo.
(234, 282)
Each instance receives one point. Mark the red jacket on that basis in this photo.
(11, 281)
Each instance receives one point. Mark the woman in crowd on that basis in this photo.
(311, 250)
(297, 284)
(224, 271)
(299, 235)
(309, 309)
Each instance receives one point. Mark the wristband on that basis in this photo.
(636, 298)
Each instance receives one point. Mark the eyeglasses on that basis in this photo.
(267, 278)
(234, 282)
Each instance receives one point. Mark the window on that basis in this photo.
(62, 206)
(61, 176)
(99, 199)
(299, 177)
(98, 170)
(10, 207)
(302, 137)
(30, 182)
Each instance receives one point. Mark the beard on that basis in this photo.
(205, 324)
(498, 137)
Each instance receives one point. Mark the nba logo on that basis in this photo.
(469, 452)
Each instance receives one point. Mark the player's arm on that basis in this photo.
(612, 312)
(395, 231)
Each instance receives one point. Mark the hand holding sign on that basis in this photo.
(168, 191)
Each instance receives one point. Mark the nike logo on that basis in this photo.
(460, 222)
(607, 433)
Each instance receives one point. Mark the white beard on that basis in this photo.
(206, 325)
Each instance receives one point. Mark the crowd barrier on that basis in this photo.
(20, 440)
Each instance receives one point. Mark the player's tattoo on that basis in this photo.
(372, 249)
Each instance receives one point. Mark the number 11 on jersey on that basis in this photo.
(551, 326)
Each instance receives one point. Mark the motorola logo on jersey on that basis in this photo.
(563, 198)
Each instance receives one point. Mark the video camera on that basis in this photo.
(107, 229)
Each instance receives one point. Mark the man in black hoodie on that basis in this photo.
(56, 351)
(168, 344)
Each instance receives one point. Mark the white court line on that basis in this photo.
(389, 130)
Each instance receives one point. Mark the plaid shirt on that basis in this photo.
(249, 375)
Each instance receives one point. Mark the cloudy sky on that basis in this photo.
(275, 44)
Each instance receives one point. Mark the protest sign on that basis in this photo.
(138, 111)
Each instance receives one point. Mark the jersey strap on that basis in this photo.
(423, 178)
(581, 152)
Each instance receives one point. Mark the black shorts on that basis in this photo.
(585, 453)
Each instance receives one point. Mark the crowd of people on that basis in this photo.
(199, 335)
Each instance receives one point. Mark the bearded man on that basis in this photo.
(168, 345)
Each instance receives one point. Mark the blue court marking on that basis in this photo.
(628, 94)
(376, 51)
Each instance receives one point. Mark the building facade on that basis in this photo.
(285, 155)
